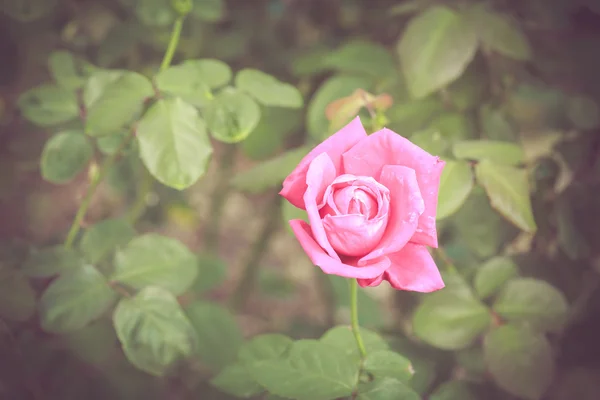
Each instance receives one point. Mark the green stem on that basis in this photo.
(173, 42)
(354, 317)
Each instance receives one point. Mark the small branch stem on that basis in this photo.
(354, 317)
(173, 42)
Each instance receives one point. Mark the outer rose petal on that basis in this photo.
(412, 269)
(386, 147)
(294, 185)
(331, 265)
(406, 205)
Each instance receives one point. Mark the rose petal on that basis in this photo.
(330, 265)
(354, 235)
(294, 185)
(412, 269)
(319, 176)
(405, 207)
(386, 147)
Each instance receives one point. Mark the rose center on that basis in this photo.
(354, 200)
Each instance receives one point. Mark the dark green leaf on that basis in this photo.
(453, 126)
(212, 273)
(520, 361)
(236, 380)
(155, 260)
(453, 390)
(435, 49)
(75, 299)
(102, 239)
(456, 184)
(264, 347)
(388, 364)
(534, 302)
(492, 275)
(498, 33)
(508, 190)
(386, 389)
(362, 57)
(173, 143)
(219, 337)
(209, 10)
(153, 330)
(410, 117)
(51, 261)
(232, 116)
(496, 125)
(48, 105)
(268, 90)
(276, 124)
(95, 343)
(64, 156)
(17, 297)
(496, 151)
(66, 70)
(155, 12)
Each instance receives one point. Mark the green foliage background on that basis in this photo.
(144, 251)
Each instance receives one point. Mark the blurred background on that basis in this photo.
(532, 81)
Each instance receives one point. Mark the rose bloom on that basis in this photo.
(371, 201)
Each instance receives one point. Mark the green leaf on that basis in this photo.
(110, 144)
(435, 49)
(386, 389)
(232, 116)
(155, 12)
(412, 116)
(48, 105)
(212, 273)
(388, 364)
(93, 344)
(17, 297)
(492, 275)
(456, 184)
(332, 89)
(498, 33)
(472, 361)
(431, 141)
(173, 143)
(508, 190)
(496, 125)
(104, 238)
(209, 10)
(65, 155)
(496, 151)
(51, 261)
(97, 84)
(267, 89)
(193, 80)
(313, 371)
(236, 381)
(275, 125)
(155, 260)
(219, 337)
(583, 112)
(153, 330)
(534, 302)
(118, 104)
(66, 70)
(471, 89)
(75, 299)
(362, 57)
(450, 322)
(453, 390)
(453, 126)
(264, 347)
(269, 173)
(520, 361)
(343, 338)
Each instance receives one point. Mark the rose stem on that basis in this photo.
(354, 317)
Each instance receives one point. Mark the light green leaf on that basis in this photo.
(65, 155)
(388, 364)
(268, 90)
(236, 381)
(75, 299)
(219, 337)
(67, 71)
(386, 389)
(102, 239)
(264, 347)
(343, 338)
(498, 33)
(496, 151)
(51, 261)
(212, 273)
(313, 371)
(520, 361)
(48, 105)
(232, 116)
(508, 190)
(534, 302)
(453, 390)
(493, 274)
(155, 260)
(17, 297)
(209, 10)
(450, 322)
(435, 49)
(155, 12)
(118, 104)
(334, 88)
(97, 84)
(173, 143)
(583, 112)
(110, 144)
(456, 184)
(153, 330)
(269, 173)
(362, 57)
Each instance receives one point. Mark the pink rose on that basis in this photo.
(371, 202)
